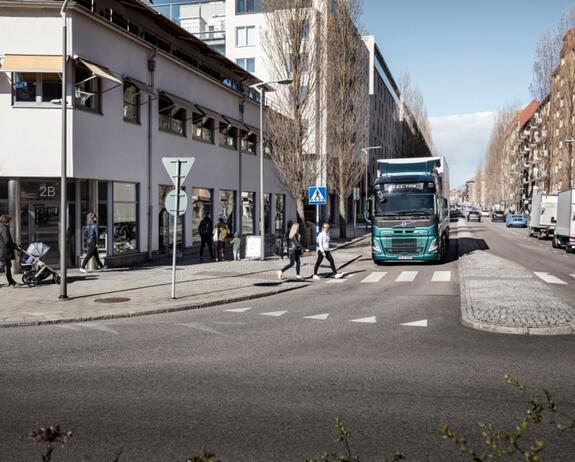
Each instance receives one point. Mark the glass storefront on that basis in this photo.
(280, 213)
(248, 212)
(166, 224)
(3, 196)
(267, 212)
(226, 208)
(125, 216)
(202, 205)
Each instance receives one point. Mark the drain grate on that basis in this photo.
(112, 300)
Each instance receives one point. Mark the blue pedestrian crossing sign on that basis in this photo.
(317, 195)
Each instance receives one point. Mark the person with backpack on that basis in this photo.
(295, 250)
(323, 250)
(221, 232)
(205, 231)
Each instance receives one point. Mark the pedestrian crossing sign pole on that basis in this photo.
(317, 195)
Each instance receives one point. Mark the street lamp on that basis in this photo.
(260, 88)
(366, 151)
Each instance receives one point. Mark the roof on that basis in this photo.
(527, 112)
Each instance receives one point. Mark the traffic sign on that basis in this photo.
(171, 202)
(172, 164)
(317, 195)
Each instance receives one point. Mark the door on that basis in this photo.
(45, 228)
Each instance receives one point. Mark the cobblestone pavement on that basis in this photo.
(146, 290)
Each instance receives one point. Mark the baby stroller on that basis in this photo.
(34, 269)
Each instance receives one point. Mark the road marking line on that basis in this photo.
(321, 317)
(549, 278)
(406, 276)
(370, 320)
(572, 275)
(274, 313)
(99, 328)
(238, 310)
(441, 276)
(376, 276)
(422, 323)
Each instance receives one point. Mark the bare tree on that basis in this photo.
(413, 98)
(478, 186)
(346, 101)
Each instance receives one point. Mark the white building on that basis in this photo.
(141, 88)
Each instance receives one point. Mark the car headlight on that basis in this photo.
(433, 246)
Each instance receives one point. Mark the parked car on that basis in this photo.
(485, 213)
(474, 215)
(455, 213)
(516, 220)
(498, 215)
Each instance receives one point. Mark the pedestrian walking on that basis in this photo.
(323, 250)
(91, 236)
(295, 249)
(237, 246)
(205, 230)
(7, 249)
(221, 232)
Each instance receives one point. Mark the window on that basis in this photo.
(249, 64)
(267, 212)
(248, 6)
(227, 208)
(172, 116)
(125, 196)
(248, 212)
(131, 103)
(245, 36)
(280, 213)
(203, 128)
(86, 88)
(228, 136)
(249, 142)
(32, 87)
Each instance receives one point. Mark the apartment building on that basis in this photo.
(141, 88)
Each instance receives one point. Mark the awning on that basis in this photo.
(179, 101)
(100, 71)
(208, 112)
(239, 124)
(141, 86)
(31, 63)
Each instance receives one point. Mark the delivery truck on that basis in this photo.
(543, 215)
(565, 227)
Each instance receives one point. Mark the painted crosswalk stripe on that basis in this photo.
(406, 276)
(441, 276)
(321, 317)
(572, 275)
(238, 310)
(369, 320)
(549, 278)
(422, 323)
(274, 313)
(376, 276)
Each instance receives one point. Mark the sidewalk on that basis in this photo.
(498, 295)
(146, 290)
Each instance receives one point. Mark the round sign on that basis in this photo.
(172, 201)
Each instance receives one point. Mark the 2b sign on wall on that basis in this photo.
(47, 191)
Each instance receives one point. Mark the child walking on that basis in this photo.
(236, 246)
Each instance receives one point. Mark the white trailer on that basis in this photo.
(543, 215)
(565, 227)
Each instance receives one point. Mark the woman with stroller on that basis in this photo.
(7, 249)
(295, 249)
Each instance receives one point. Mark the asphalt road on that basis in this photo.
(265, 382)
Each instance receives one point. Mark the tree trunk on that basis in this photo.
(342, 218)
(301, 221)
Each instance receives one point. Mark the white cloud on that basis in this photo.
(463, 140)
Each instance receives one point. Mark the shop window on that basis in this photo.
(3, 196)
(203, 128)
(202, 206)
(87, 89)
(125, 200)
(267, 212)
(280, 213)
(166, 224)
(248, 212)
(131, 103)
(249, 142)
(32, 87)
(172, 116)
(228, 136)
(227, 208)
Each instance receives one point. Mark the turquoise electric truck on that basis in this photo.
(409, 210)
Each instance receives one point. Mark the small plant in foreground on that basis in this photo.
(50, 437)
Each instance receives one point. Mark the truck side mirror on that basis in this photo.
(368, 209)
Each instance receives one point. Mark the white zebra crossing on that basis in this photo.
(441, 276)
(376, 276)
(274, 314)
(549, 278)
(320, 317)
(407, 276)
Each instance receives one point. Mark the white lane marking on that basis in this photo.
(441, 276)
(376, 276)
(321, 317)
(549, 278)
(274, 313)
(406, 276)
(572, 275)
(370, 320)
(99, 327)
(200, 327)
(422, 323)
(238, 310)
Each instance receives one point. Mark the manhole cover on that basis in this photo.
(112, 300)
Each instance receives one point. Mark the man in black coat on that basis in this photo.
(7, 249)
(205, 231)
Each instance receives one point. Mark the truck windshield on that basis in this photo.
(405, 205)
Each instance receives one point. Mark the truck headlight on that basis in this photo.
(375, 248)
(433, 246)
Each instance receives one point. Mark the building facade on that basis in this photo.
(141, 88)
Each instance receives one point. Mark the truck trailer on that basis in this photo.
(409, 210)
(565, 227)
(543, 215)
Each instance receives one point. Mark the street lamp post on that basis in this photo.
(260, 88)
(366, 151)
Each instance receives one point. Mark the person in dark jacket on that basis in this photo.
(91, 235)
(205, 230)
(7, 249)
(295, 249)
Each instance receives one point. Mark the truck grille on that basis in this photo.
(403, 245)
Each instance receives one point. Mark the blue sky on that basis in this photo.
(469, 58)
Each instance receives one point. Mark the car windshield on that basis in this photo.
(405, 204)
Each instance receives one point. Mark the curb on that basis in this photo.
(169, 309)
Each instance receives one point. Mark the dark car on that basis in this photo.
(498, 215)
(474, 215)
